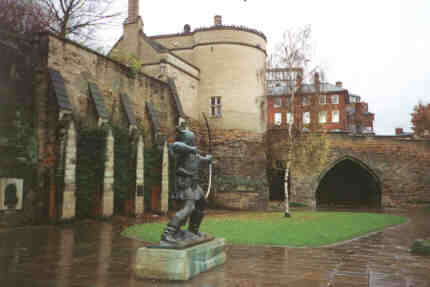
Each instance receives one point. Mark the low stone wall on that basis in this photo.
(400, 168)
(239, 201)
(239, 167)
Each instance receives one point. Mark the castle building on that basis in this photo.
(331, 106)
(217, 70)
(85, 135)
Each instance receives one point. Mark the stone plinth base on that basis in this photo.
(182, 264)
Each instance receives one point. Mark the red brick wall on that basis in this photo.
(300, 109)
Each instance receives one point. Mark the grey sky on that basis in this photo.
(378, 49)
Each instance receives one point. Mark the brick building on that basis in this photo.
(332, 106)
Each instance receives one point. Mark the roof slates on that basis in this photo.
(59, 86)
(128, 110)
(98, 101)
(153, 117)
(176, 99)
(305, 88)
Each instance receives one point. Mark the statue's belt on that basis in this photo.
(183, 172)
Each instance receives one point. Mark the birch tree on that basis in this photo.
(303, 143)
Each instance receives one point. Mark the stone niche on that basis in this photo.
(11, 193)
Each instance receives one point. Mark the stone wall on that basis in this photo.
(235, 73)
(239, 167)
(35, 126)
(400, 166)
(225, 61)
(18, 149)
(79, 66)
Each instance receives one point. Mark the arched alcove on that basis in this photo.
(11, 196)
(348, 183)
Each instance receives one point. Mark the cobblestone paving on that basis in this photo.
(94, 254)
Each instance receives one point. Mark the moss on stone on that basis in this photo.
(421, 246)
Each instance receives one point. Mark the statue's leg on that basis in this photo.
(175, 223)
(196, 217)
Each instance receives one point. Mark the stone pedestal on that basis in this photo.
(179, 264)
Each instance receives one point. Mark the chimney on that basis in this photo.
(339, 84)
(317, 80)
(187, 29)
(399, 131)
(218, 20)
(133, 10)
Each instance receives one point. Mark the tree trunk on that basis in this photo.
(287, 201)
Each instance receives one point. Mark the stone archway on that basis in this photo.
(348, 183)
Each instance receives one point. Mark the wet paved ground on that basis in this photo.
(94, 254)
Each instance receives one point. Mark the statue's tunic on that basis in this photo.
(187, 171)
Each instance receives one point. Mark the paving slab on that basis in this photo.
(95, 254)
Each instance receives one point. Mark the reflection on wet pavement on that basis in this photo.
(95, 254)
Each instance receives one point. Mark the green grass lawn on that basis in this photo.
(304, 228)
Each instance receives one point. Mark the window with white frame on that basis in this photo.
(277, 102)
(306, 117)
(335, 116)
(323, 117)
(335, 99)
(215, 106)
(305, 100)
(290, 118)
(322, 100)
(278, 119)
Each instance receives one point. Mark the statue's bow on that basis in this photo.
(210, 152)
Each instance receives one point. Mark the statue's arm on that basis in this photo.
(207, 158)
(180, 147)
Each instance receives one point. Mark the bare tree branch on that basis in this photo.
(79, 19)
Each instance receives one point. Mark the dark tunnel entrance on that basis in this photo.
(348, 184)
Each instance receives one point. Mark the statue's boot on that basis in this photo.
(195, 221)
(171, 230)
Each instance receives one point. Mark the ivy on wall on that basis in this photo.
(124, 169)
(90, 168)
(153, 161)
(19, 154)
(226, 183)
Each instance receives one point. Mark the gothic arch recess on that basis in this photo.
(348, 183)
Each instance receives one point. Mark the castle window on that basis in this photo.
(323, 117)
(335, 99)
(335, 116)
(290, 118)
(323, 100)
(215, 106)
(277, 102)
(305, 100)
(306, 117)
(278, 119)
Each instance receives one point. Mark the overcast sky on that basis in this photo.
(379, 49)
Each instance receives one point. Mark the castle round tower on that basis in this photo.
(231, 61)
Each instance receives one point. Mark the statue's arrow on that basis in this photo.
(210, 152)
